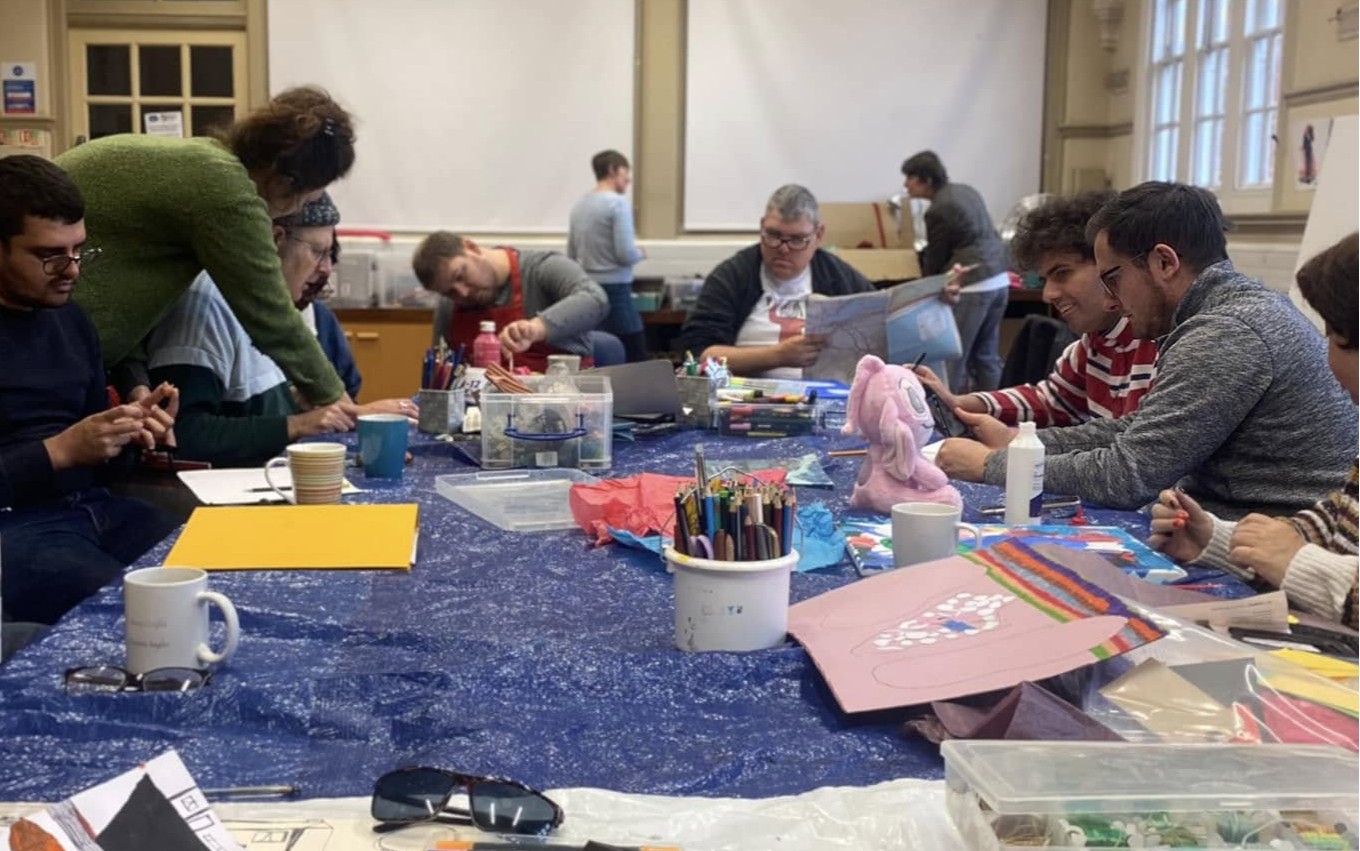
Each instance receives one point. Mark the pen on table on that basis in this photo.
(847, 453)
(267, 489)
(252, 792)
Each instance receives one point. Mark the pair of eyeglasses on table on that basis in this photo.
(110, 679)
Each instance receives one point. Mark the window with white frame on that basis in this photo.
(1213, 93)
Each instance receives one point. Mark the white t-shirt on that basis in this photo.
(779, 314)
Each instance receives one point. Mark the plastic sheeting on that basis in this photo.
(532, 656)
(900, 814)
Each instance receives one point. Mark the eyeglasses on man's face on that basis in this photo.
(797, 242)
(318, 253)
(1110, 277)
(56, 264)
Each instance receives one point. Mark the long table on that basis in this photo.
(533, 656)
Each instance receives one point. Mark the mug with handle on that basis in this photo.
(317, 470)
(926, 531)
(167, 619)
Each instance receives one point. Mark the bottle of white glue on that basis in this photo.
(1025, 478)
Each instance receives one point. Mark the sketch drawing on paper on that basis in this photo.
(299, 835)
(937, 631)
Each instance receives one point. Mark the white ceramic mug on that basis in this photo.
(926, 531)
(167, 619)
(317, 471)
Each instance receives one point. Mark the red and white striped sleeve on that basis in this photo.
(1058, 400)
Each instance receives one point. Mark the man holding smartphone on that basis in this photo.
(1105, 373)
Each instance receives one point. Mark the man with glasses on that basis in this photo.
(236, 406)
(753, 306)
(64, 536)
(1103, 374)
(1233, 415)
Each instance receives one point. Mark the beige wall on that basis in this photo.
(24, 38)
(1094, 120)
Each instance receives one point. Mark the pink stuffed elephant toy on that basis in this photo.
(888, 406)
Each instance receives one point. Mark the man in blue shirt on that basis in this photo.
(601, 239)
(64, 535)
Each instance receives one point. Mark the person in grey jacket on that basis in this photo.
(600, 237)
(753, 305)
(960, 233)
(1238, 417)
(542, 302)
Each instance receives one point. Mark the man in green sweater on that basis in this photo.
(236, 408)
(164, 210)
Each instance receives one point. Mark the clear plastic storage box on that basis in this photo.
(549, 429)
(516, 500)
(1014, 795)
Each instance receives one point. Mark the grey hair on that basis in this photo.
(792, 202)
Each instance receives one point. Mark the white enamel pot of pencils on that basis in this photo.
(730, 605)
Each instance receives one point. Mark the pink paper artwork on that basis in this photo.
(960, 626)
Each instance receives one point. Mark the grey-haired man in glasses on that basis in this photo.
(1237, 416)
(64, 535)
(754, 304)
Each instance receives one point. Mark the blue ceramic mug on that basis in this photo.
(382, 445)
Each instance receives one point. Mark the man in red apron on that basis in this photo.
(542, 302)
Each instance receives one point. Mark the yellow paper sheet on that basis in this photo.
(1320, 664)
(298, 537)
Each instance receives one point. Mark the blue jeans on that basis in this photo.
(59, 553)
(624, 321)
(979, 316)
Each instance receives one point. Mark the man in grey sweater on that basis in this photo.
(542, 302)
(1237, 417)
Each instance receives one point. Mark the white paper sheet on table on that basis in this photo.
(245, 486)
(75, 823)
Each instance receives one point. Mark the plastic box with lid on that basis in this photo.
(549, 429)
(1004, 795)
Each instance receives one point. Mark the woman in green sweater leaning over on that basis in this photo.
(164, 210)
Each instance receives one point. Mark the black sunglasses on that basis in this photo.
(104, 679)
(414, 795)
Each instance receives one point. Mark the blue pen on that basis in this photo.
(427, 370)
(710, 519)
(458, 356)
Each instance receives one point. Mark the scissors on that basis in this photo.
(700, 547)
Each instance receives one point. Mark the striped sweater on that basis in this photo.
(1322, 576)
(1098, 376)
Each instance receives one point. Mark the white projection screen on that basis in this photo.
(474, 115)
(836, 95)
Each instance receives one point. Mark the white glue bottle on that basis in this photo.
(1024, 478)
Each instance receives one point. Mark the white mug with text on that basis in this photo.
(167, 619)
(926, 531)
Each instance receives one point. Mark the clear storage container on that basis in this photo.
(1005, 795)
(549, 429)
(516, 500)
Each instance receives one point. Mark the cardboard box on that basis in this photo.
(882, 265)
(862, 225)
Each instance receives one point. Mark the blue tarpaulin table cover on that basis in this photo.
(532, 656)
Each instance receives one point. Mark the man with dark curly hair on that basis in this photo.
(1104, 373)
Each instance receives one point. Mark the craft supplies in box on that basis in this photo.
(768, 418)
(550, 426)
(516, 500)
(1005, 795)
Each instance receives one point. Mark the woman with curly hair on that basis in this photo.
(164, 210)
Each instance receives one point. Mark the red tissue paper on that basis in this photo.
(643, 504)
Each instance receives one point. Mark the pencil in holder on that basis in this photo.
(698, 401)
(441, 411)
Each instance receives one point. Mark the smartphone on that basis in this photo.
(946, 423)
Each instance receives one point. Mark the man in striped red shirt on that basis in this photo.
(1102, 375)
